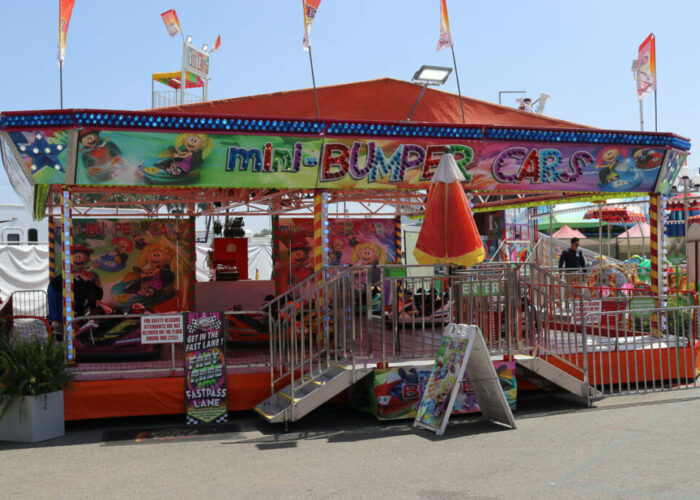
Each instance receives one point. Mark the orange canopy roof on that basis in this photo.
(384, 99)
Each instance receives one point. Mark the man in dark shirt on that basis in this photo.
(572, 258)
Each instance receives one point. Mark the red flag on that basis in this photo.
(646, 67)
(445, 34)
(217, 44)
(310, 8)
(65, 9)
(172, 24)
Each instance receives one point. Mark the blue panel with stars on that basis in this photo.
(43, 154)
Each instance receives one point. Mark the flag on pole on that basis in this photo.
(216, 45)
(646, 67)
(172, 24)
(310, 8)
(445, 35)
(65, 9)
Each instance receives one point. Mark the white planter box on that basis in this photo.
(41, 418)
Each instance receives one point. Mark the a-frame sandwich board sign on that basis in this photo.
(462, 349)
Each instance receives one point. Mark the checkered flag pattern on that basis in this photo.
(219, 420)
(193, 326)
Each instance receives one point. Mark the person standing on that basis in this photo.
(571, 262)
(572, 258)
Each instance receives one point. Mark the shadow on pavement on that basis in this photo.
(335, 424)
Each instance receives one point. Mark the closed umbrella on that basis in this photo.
(448, 234)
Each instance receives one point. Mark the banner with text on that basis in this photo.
(161, 329)
(206, 395)
(108, 157)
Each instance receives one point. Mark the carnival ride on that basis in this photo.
(267, 166)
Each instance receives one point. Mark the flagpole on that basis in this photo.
(656, 125)
(459, 89)
(60, 77)
(313, 80)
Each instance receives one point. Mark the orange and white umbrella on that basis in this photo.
(449, 234)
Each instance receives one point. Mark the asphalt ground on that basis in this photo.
(638, 446)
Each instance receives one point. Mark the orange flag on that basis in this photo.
(65, 9)
(445, 34)
(310, 8)
(172, 23)
(216, 45)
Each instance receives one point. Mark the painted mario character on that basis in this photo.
(187, 155)
(301, 266)
(87, 289)
(98, 153)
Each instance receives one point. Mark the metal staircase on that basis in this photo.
(312, 344)
(292, 403)
(558, 377)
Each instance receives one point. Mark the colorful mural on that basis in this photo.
(351, 242)
(201, 159)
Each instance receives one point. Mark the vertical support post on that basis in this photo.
(320, 229)
(67, 266)
(397, 234)
(658, 284)
(275, 222)
(52, 247)
(600, 243)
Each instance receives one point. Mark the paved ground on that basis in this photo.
(624, 447)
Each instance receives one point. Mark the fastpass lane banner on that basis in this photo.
(258, 161)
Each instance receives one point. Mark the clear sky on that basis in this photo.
(580, 52)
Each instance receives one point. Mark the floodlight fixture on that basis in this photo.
(684, 172)
(431, 75)
(189, 39)
(205, 47)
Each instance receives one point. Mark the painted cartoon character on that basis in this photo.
(187, 155)
(100, 156)
(153, 273)
(368, 254)
(115, 259)
(87, 288)
(608, 159)
(300, 265)
(647, 158)
(443, 399)
(335, 253)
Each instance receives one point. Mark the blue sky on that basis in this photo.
(580, 52)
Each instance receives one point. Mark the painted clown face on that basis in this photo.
(157, 257)
(368, 256)
(193, 143)
(80, 259)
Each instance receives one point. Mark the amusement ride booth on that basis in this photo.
(342, 302)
